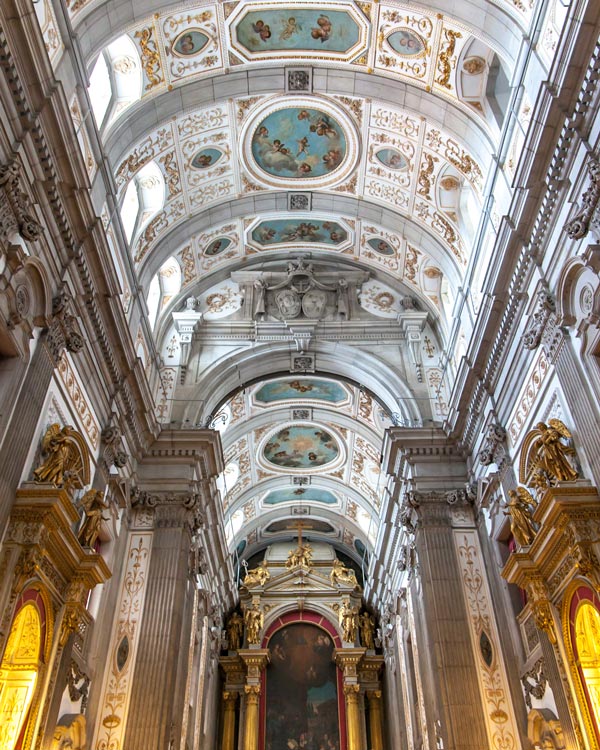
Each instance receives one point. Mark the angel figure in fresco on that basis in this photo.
(341, 574)
(322, 30)
(234, 629)
(93, 503)
(254, 620)
(348, 617)
(367, 630)
(551, 453)
(290, 27)
(64, 461)
(520, 510)
(257, 576)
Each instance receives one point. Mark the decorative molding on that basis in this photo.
(492, 450)
(16, 210)
(500, 721)
(578, 227)
(545, 306)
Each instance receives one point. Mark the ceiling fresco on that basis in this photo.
(301, 447)
(356, 138)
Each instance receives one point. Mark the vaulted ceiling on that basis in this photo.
(257, 148)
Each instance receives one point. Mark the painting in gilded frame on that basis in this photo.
(299, 143)
(205, 158)
(286, 231)
(302, 692)
(189, 43)
(392, 158)
(407, 43)
(297, 29)
(218, 246)
(380, 246)
(305, 388)
(301, 447)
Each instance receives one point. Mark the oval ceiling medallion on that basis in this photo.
(189, 43)
(218, 246)
(381, 246)
(301, 447)
(407, 43)
(392, 158)
(305, 140)
(205, 158)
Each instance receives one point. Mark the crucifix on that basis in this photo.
(301, 525)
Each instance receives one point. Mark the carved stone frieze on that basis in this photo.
(113, 453)
(16, 210)
(492, 450)
(579, 226)
(544, 307)
(534, 682)
(63, 332)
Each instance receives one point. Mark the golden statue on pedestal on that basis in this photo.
(520, 508)
(234, 629)
(93, 503)
(341, 574)
(256, 576)
(367, 630)
(348, 617)
(254, 620)
(549, 454)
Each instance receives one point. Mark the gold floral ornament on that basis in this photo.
(546, 457)
(67, 464)
(257, 576)
(520, 509)
(254, 620)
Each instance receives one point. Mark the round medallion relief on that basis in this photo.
(586, 299)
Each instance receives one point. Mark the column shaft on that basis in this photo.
(375, 719)
(251, 719)
(229, 721)
(353, 717)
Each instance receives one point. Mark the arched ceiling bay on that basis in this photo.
(297, 195)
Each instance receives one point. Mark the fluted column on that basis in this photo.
(251, 718)
(229, 701)
(157, 697)
(375, 719)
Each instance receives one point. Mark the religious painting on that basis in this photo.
(392, 158)
(306, 388)
(206, 157)
(407, 43)
(301, 447)
(299, 143)
(286, 231)
(380, 246)
(302, 690)
(300, 494)
(190, 43)
(218, 246)
(298, 29)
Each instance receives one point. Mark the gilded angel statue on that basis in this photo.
(549, 453)
(257, 576)
(341, 574)
(348, 617)
(63, 464)
(254, 620)
(520, 508)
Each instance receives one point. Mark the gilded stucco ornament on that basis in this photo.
(301, 557)
(349, 621)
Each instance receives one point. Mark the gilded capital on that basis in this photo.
(252, 693)
(351, 692)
